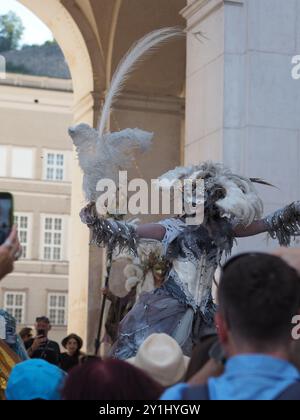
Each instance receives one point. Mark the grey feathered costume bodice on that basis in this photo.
(195, 258)
(182, 307)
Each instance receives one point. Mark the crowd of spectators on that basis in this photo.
(253, 356)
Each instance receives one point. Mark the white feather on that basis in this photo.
(143, 47)
(103, 157)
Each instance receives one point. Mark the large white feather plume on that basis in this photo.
(103, 155)
(138, 51)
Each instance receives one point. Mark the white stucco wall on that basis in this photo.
(242, 102)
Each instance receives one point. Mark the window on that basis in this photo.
(23, 221)
(54, 166)
(52, 238)
(3, 161)
(14, 304)
(22, 163)
(57, 308)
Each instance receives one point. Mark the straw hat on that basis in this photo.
(162, 358)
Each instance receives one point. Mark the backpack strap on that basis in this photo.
(194, 393)
(292, 393)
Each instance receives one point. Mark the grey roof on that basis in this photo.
(45, 60)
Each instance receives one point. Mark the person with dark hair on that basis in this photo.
(109, 380)
(41, 347)
(73, 344)
(259, 294)
(26, 334)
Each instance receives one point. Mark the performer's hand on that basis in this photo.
(109, 295)
(105, 291)
(290, 255)
(88, 213)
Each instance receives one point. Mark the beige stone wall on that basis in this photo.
(35, 113)
(242, 102)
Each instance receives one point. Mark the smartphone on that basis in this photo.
(41, 332)
(6, 215)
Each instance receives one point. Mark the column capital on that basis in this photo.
(89, 104)
(198, 10)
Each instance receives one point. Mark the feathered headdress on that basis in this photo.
(103, 154)
(238, 199)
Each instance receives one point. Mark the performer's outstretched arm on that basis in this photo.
(257, 227)
(151, 231)
(112, 233)
(281, 225)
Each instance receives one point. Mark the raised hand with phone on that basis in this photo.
(41, 347)
(9, 252)
(10, 248)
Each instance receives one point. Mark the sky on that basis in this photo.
(35, 31)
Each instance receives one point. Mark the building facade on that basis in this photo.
(241, 101)
(35, 166)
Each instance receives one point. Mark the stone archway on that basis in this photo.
(94, 35)
(82, 65)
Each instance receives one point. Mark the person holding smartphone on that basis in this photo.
(10, 251)
(10, 248)
(41, 347)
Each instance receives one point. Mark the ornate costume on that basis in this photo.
(143, 273)
(182, 307)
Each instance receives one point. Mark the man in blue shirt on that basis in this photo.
(259, 294)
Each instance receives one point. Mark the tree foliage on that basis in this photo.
(11, 31)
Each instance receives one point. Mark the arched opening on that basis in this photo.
(71, 41)
(93, 36)
(84, 108)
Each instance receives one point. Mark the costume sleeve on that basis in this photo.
(110, 233)
(284, 224)
(173, 228)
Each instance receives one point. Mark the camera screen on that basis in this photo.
(5, 218)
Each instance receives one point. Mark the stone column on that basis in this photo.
(72, 32)
(242, 102)
(86, 261)
(162, 115)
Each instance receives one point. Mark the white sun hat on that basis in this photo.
(162, 358)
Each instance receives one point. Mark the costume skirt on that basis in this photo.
(161, 311)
